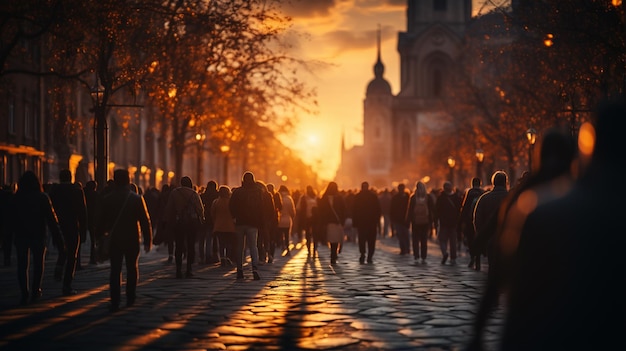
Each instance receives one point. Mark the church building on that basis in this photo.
(395, 125)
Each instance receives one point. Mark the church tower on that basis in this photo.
(377, 124)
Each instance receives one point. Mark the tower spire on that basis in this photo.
(379, 68)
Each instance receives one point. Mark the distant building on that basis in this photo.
(395, 126)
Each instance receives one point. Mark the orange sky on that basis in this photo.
(342, 33)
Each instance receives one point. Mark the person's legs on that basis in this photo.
(416, 242)
(333, 252)
(132, 276)
(178, 253)
(362, 235)
(240, 249)
(422, 237)
(39, 258)
(190, 240)
(370, 237)
(22, 251)
(444, 238)
(72, 244)
(115, 278)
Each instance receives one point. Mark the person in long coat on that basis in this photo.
(121, 210)
(332, 211)
(31, 215)
(366, 214)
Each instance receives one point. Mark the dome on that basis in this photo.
(378, 86)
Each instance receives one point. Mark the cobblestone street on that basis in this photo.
(299, 303)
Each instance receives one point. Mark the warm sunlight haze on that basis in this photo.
(342, 35)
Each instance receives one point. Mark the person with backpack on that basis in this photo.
(246, 204)
(186, 213)
(421, 209)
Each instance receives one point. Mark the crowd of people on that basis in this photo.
(533, 233)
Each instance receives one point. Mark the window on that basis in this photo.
(11, 112)
(440, 5)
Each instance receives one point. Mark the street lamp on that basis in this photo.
(225, 149)
(531, 135)
(480, 157)
(200, 138)
(100, 131)
(451, 164)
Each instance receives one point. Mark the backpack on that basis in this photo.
(420, 211)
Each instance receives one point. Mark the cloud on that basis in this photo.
(309, 8)
(358, 40)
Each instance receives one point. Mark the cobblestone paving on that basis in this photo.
(300, 303)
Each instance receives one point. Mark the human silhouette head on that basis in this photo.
(476, 182)
(401, 187)
(332, 189)
(65, 176)
(29, 183)
(211, 186)
(499, 178)
(186, 182)
(447, 187)
(121, 178)
(248, 179)
(365, 186)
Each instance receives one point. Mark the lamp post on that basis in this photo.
(200, 138)
(100, 131)
(225, 149)
(531, 135)
(451, 164)
(480, 157)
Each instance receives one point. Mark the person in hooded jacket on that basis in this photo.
(422, 221)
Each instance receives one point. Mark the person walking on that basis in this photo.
(206, 238)
(273, 230)
(31, 215)
(246, 206)
(569, 281)
(447, 215)
(399, 218)
(486, 216)
(366, 214)
(223, 226)
(286, 217)
(332, 213)
(305, 212)
(421, 214)
(466, 221)
(122, 214)
(91, 201)
(551, 181)
(385, 207)
(186, 213)
(69, 204)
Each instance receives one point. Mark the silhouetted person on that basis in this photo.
(486, 217)
(447, 213)
(304, 212)
(246, 206)
(223, 226)
(366, 214)
(275, 239)
(185, 213)
(552, 180)
(385, 207)
(122, 214)
(286, 218)
(569, 282)
(165, 234)
(6, 195)
(69, 204)
(466, 221)
(332, 211)
(91, 201)
(421, 214)
(270, 218)
(30, 216)
(206, 238)
(399, 218)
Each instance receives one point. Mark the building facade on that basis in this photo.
(395, 127)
